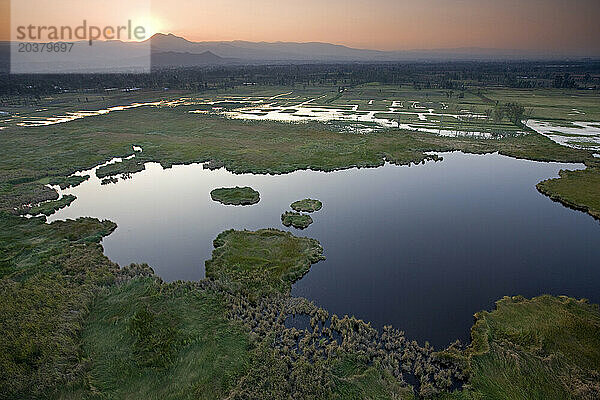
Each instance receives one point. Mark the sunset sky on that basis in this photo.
(553, 25)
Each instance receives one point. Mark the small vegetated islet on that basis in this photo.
(236, 196)
(307, 205)
(295, 219)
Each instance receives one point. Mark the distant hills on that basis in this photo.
(253, 52)
(168, 51)
(242, 51)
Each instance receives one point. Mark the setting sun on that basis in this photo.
(151, 24)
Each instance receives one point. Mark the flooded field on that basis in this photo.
(581, 135)
(361, 110)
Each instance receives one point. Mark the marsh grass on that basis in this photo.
(49, 207)
(30, 246)
(306, 205)
(262, 262)
(145, 339)
(68, 182)
(543, 348)
(345, 377)
(236, 196)
(50, 274)
(129, 166)
(297, 220)
(353, 380)
(74, 328)
(576, 189)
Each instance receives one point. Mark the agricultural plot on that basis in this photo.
(570, 118)
(370, 108)
(373, 107)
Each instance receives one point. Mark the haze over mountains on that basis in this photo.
(242, 51)
(168, 51)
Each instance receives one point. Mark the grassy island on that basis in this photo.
(236, 196)
(263, 261)
(307, 205)
(297, 220)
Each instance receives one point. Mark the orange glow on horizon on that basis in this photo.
(552, 25)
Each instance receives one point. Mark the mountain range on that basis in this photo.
(168, 50)
(243, 51)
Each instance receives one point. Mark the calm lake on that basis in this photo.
(422, 248)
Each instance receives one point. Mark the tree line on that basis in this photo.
(448, 76)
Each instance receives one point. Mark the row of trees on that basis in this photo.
(448, 76)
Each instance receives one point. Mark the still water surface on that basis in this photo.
(422, 248)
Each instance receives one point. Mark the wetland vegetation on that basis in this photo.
(545, 347)
(237, 196)
(307, 205)
(575, 189)
(68, 182)
(125, 167)
(48, 207)
(78, 326)
(295, 219)
(224, 338)
(264, 261)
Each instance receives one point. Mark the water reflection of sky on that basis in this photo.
(421, 247)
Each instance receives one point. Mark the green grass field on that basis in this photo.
(50, 274)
